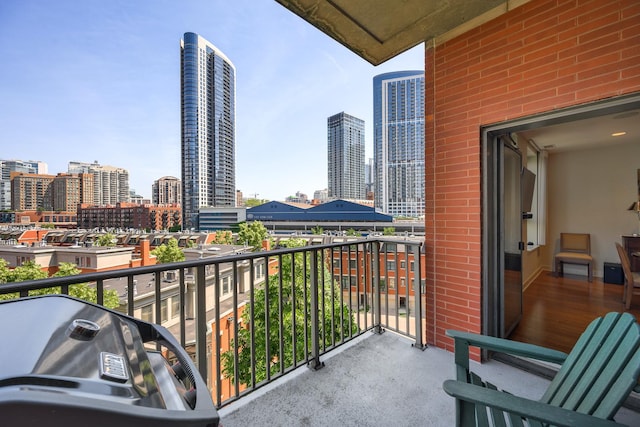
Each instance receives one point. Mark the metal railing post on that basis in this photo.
(417, 295)
(315, 322)
(375, 280)
(201, 321)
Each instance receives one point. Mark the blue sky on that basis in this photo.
(88, 80)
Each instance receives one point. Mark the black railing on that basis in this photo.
(250, 318)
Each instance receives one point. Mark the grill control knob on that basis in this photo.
(82, 329)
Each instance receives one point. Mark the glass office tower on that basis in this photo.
(398, 132)
(208, 80)
(345, 136)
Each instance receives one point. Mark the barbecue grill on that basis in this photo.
(71, 363)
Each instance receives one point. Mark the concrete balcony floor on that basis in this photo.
(375, 380)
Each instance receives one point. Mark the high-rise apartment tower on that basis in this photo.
(166, 191)
(398, 143)
(8, 166)
(208, 80)
(110, 184)
(345, 135)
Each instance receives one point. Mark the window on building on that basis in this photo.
(175, 307)
(226, 285)
(391, 265)
(83, 261)
(353, 280)
(146, 313)
(392, 282)
(389, 247)
(164, 310)
(259, 271)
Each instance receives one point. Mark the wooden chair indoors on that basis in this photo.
(575, 248)
(589, 388)
(631, 279)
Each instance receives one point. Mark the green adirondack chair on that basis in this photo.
(589, 388)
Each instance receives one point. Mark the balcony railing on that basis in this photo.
(250, 318)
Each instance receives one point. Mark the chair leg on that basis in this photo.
(629, 295)
(558, 268)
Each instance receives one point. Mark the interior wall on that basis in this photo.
(589, 192)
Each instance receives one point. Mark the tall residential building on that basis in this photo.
(8, 166)
(69, 190)
(398, 139)
(208, 80)
(62, 192)
(166, 190)
(110, 184)
(30, 191)
(345, 136)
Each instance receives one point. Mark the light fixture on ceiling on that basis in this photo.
(618, 133)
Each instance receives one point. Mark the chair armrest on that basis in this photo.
(505, 346)
(531, 409)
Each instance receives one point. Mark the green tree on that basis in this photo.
(336, 321)
(4, 271)
(317, 230)
(29, 270)
(254, 202)
(352, 232)
(168, 252)
(107, 239)
(252, 234)
(175, 228)
(388, 231)
(223, 237)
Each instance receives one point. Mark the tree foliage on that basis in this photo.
(252, 234)
(352, 232)
(292, 304)
(223, 237)
(107, 239)
(250, 203)
(168, 252)
(29, 270)
(317, 230)
(388, 231)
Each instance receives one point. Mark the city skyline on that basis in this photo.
(100, 81)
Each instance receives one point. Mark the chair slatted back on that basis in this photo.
(626, 264)
(602, 368)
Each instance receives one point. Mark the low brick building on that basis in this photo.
(129, 215)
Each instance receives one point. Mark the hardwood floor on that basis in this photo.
(556, 310)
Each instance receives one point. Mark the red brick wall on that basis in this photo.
(544, 55)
